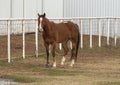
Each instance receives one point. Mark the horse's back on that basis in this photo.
(62, 32)
(69, 28)
(73, 28)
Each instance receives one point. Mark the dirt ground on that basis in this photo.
(95, 66)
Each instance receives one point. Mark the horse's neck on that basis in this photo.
(49, 25)
(47, 20)
(48, 28)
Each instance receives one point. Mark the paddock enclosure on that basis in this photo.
(20, 37)
(98, 60)
(22, 52)
(98, 22)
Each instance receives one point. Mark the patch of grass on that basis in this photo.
(110, 83)
(21, 78)
(59, 72)
(115, 83)
(4, 63)
(105, 50)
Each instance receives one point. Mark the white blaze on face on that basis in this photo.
(40, 26)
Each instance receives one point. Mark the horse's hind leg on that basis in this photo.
(73, 54)
(64, 45)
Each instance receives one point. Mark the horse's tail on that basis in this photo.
(78, 41)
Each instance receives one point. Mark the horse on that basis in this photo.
(54, 33)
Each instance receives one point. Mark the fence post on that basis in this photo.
(8, 27)
(90, 33)
(115, 32)
(23, 31)
(71, 41)
(108, 33)
(99, 32)
(36, 39)
(60, 44)
(81, 30)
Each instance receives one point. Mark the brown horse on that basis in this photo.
(59, 33)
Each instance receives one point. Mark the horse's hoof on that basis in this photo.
(47, 65)
(54, 66)
(71, 65)
(62, 64)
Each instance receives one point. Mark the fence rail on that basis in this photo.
(99, 26)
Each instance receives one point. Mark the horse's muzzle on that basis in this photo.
(40, 29)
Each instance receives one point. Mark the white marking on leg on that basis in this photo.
(60, 46)
(70, 44)
(54, 64)
(63, 61)
(72, 62)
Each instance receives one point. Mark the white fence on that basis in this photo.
(108, 27)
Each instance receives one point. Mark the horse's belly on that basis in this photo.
(64, 36)
(63, 39)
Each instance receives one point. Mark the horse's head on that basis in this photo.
(41, 22)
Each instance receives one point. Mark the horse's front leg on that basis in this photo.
(47, 52)
(53, 54)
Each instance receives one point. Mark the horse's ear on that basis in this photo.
(38, 14)
(44, 14)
